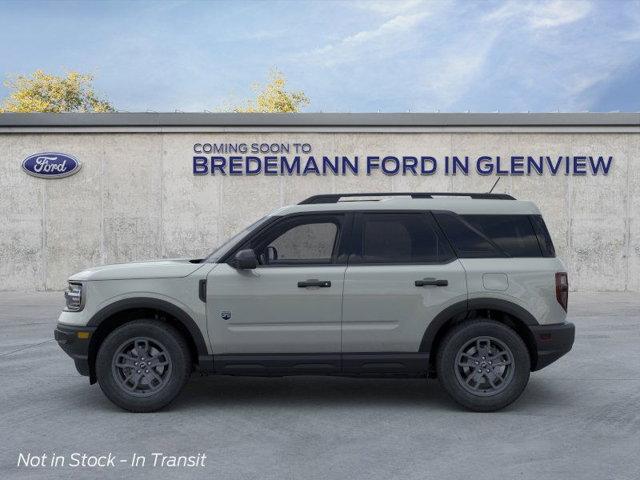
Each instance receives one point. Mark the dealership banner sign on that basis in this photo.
(294, 159)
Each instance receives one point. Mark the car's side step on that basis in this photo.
(350, 364)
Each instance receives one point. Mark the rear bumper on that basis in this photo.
(552, 342)
(77, 347)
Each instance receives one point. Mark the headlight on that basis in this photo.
(73, 297)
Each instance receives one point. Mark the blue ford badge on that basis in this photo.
(50, 165)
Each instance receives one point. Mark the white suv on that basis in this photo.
(465, 287)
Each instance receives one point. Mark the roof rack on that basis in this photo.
(335, 197)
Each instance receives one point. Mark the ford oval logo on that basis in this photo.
(51, 165)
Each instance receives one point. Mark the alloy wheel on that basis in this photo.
(484, 366)
(141, 366)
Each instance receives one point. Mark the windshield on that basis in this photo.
(220, 250)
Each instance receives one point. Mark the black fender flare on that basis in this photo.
(466, 306)
(157, 304)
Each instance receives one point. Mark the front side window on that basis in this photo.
(306, 242)
(299, 240)
(400, 238)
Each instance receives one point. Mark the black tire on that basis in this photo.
(473, 390)
(166, 381)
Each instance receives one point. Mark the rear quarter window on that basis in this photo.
(544, 239)
(514, 234)
(493, 236)
(467, 241)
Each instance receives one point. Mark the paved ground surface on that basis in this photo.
(579, 418)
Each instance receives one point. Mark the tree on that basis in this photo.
(42, 92)
(274, 98)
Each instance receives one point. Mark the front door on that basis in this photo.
(291, 303)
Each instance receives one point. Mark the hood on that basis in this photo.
(169, 268)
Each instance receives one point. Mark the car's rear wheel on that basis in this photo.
(143, 365)
(483, 365)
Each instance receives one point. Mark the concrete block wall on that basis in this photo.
(136, 198)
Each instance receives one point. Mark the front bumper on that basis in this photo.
(75, 343)
(552, 342)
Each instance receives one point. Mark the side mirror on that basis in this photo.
(245, 260)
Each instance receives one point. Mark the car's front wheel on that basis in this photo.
(483, 365)
(143, 365)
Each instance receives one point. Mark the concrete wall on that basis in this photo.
(136, 198)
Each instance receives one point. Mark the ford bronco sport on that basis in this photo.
(465, 287)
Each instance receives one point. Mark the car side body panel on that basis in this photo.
(169, 268)
(384, 311)
(526, 282)
(181, 294)
(265, 311)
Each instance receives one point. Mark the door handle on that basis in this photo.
(314, 283)
(431, 281)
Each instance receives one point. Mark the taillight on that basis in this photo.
(562, 289)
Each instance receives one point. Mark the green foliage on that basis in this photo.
(274, 98)
(42, 92)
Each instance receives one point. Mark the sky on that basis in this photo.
(347, 56)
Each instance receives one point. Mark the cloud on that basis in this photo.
(632, 15)
(390, 8)
(397, 25)
(506, 48)
(558, 12)
(516, 56)
(449, 75)
(391, 37)
(541, 15)
(560, 67)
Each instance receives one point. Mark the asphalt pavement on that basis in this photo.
(578, 419)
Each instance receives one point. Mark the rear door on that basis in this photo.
(402, 273)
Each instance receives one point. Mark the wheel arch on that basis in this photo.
(123, 311)
(503, 311)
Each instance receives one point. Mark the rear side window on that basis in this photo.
(400, 238)
(514, 234)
